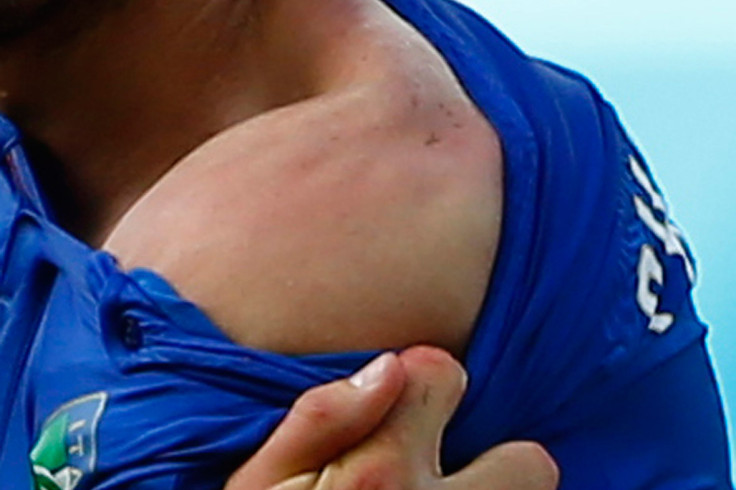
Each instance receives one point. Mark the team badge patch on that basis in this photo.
(66, 451)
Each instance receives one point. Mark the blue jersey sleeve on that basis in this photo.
(589, 314)
(663, 431)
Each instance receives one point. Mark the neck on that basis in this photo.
(117, 102)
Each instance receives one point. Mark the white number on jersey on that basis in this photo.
(650, 270)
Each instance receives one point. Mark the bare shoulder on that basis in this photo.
(367, 219)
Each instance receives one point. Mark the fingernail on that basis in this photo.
(372, 374)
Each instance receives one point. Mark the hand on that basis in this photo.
(381, 430)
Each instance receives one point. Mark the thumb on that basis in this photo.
(323, 423)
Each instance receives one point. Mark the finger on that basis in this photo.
(323, 423)
(413, 429)
(511, 466)
(305, 481)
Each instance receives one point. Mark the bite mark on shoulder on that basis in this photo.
(432, 139)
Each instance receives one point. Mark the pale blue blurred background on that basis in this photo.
(670, 69)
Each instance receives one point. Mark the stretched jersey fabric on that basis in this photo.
(588, 340)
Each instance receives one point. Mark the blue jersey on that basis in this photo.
(588, 340)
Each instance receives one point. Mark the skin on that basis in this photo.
(382, 216)
(310, 173)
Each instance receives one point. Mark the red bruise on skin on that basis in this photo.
(315, 409)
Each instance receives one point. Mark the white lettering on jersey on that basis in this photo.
(650, 268)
